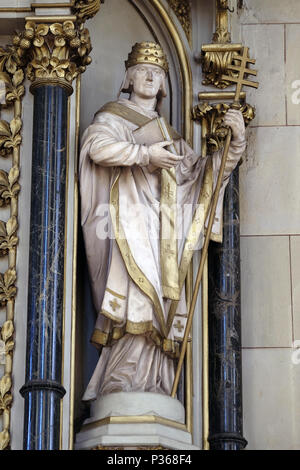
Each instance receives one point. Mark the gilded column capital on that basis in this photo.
(53, 53)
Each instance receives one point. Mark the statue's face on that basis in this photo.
(147, 80)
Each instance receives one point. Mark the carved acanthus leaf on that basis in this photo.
(58, 50)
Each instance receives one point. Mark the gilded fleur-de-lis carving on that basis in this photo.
(8, 288)
(60, 51)
(8, 235)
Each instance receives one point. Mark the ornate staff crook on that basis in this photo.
(239, 81)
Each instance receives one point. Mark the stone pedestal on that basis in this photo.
(135, 420)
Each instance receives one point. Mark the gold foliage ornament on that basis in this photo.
(182, 9)
(85, 9)
(8, 235)
(9, 185)
(12, 65)
(147, 53)
(215, 63)
(59, 51)
(6, 349)
(56, 53)
(8, 289)
(10, 136)
(214, 115)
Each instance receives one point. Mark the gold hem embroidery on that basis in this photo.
(168, 346)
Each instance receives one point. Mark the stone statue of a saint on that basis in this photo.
(137, 270)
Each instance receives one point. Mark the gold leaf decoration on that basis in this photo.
(5, 386)
(7, 330)
(10, 136)
(214, 65)
(3, 231)
(18, 77)
(85, 9)
(182, 9)
(12, 64)
(9, 186)
(58, 50)
(4, 129)
(214, 115)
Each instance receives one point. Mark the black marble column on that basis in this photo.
(43, 390)
(225, 366)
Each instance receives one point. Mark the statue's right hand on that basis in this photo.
(161, 158)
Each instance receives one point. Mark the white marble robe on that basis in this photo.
(138, 346)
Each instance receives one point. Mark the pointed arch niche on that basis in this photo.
(114, 30)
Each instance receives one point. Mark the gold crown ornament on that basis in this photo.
(147, 53)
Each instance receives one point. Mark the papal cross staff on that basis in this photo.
(240, 81)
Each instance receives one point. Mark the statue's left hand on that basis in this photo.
(234, 119)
